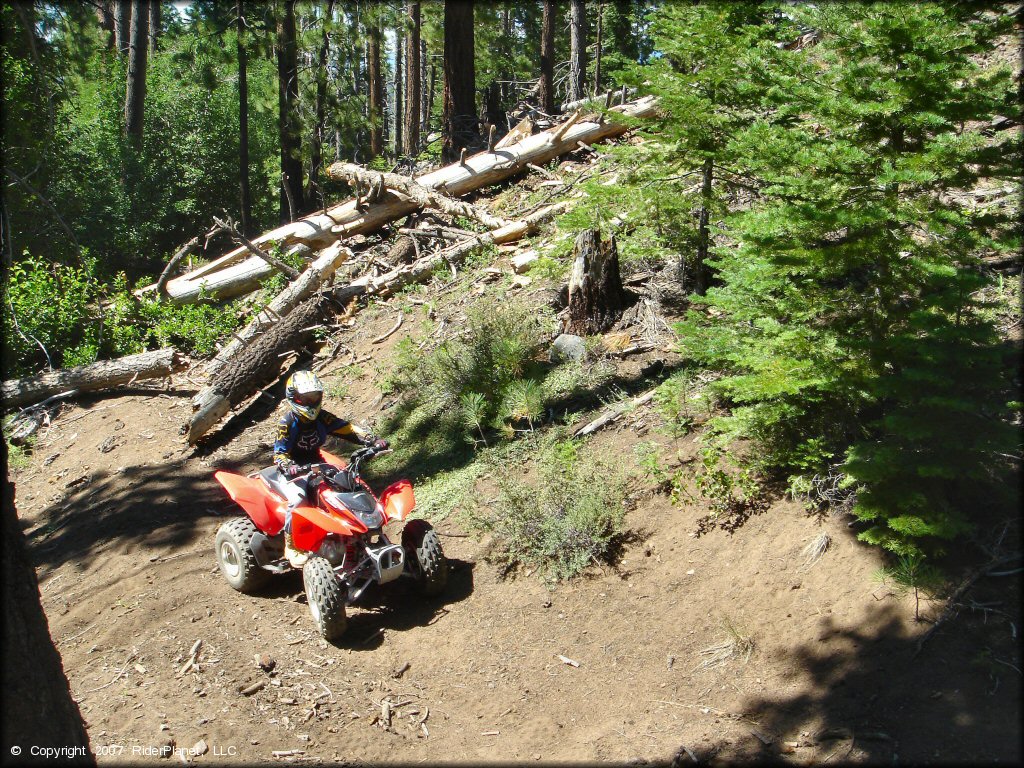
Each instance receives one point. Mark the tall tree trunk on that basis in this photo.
(244, 197)
(429, 107)
(105, 14)
(135, 92)
(38, 709)
(547, 59)
(425, 86)
(376, 89)
(578, 50)
(459, 118)
(412, 81)
(154, 25)
(122, 25)
(399, 95)
(313, 192)
(288, 113)
(597, 47)
(701, 273)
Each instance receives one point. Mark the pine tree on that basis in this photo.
(845, 317)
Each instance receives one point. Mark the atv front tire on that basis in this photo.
(326, 595)
(425, 557)
(235, 557)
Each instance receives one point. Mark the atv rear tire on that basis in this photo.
(425, 557)
(326, 595)
(235, 556)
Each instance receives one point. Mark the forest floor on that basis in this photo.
(816, 662)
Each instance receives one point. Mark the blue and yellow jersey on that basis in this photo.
(300, 441)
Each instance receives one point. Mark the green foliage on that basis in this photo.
(911, 572)
(487, 377)
(18, 456)
(846, 316)
(79, 320)
(570, 518)
(680, 399)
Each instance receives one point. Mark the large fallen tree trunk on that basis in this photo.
(319, 271)
(87, 378)
(428, 198)
(237, 272)
(256, 366)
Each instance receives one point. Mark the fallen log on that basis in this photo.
(236, 272)
(88, 378)
(315, 275)
(258, 364)
(614, 413)
(427, 198)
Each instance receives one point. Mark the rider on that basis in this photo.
(300, 433)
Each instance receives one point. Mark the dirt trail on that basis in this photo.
(121, 521)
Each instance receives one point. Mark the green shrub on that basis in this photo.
(486, 378)
(570, 518)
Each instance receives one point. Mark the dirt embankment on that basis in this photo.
(719, 646)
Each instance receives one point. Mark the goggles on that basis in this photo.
(309, 399)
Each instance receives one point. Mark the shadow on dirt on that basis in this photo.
(399, 607)
(868, 696)
(151, 508)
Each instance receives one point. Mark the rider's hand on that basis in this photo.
(291, 471)
(379, 445)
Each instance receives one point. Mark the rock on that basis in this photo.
(200, 748)
(265, 661)
(522, 262)
(521, 281)
(165, 748)
(568, 347)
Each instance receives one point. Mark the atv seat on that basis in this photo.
(277, 483)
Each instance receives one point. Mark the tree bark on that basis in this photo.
(135, 92)
(459, 108)
(244, 195)
(425, 86)
(399, 95)
(105, 14)
(547, 59)
(412, 81)
(234, 273)
(428, 198)
(314, 194)
(288, 113)
(122, 25)
(319, 272)
(154, 25)
(376, 88)
(86, 378)
(578, 50)
(597, 47)
(38, 709)
(596, 295)
(701, 274)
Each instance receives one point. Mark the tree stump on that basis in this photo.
(596, 295)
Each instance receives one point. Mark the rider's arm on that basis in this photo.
(344, 429)
(282, 457)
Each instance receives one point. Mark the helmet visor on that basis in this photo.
(309, 399)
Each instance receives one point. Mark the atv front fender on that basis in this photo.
(398, 500)
(262, 505)
(310, 525)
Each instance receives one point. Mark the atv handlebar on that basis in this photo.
(329, 470)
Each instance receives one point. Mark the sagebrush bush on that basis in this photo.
(570, 518)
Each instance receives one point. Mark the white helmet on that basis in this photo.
(305, 394)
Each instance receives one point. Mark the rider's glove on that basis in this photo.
(379, 445)
(291, 471)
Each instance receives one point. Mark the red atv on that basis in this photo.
(340, 523)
